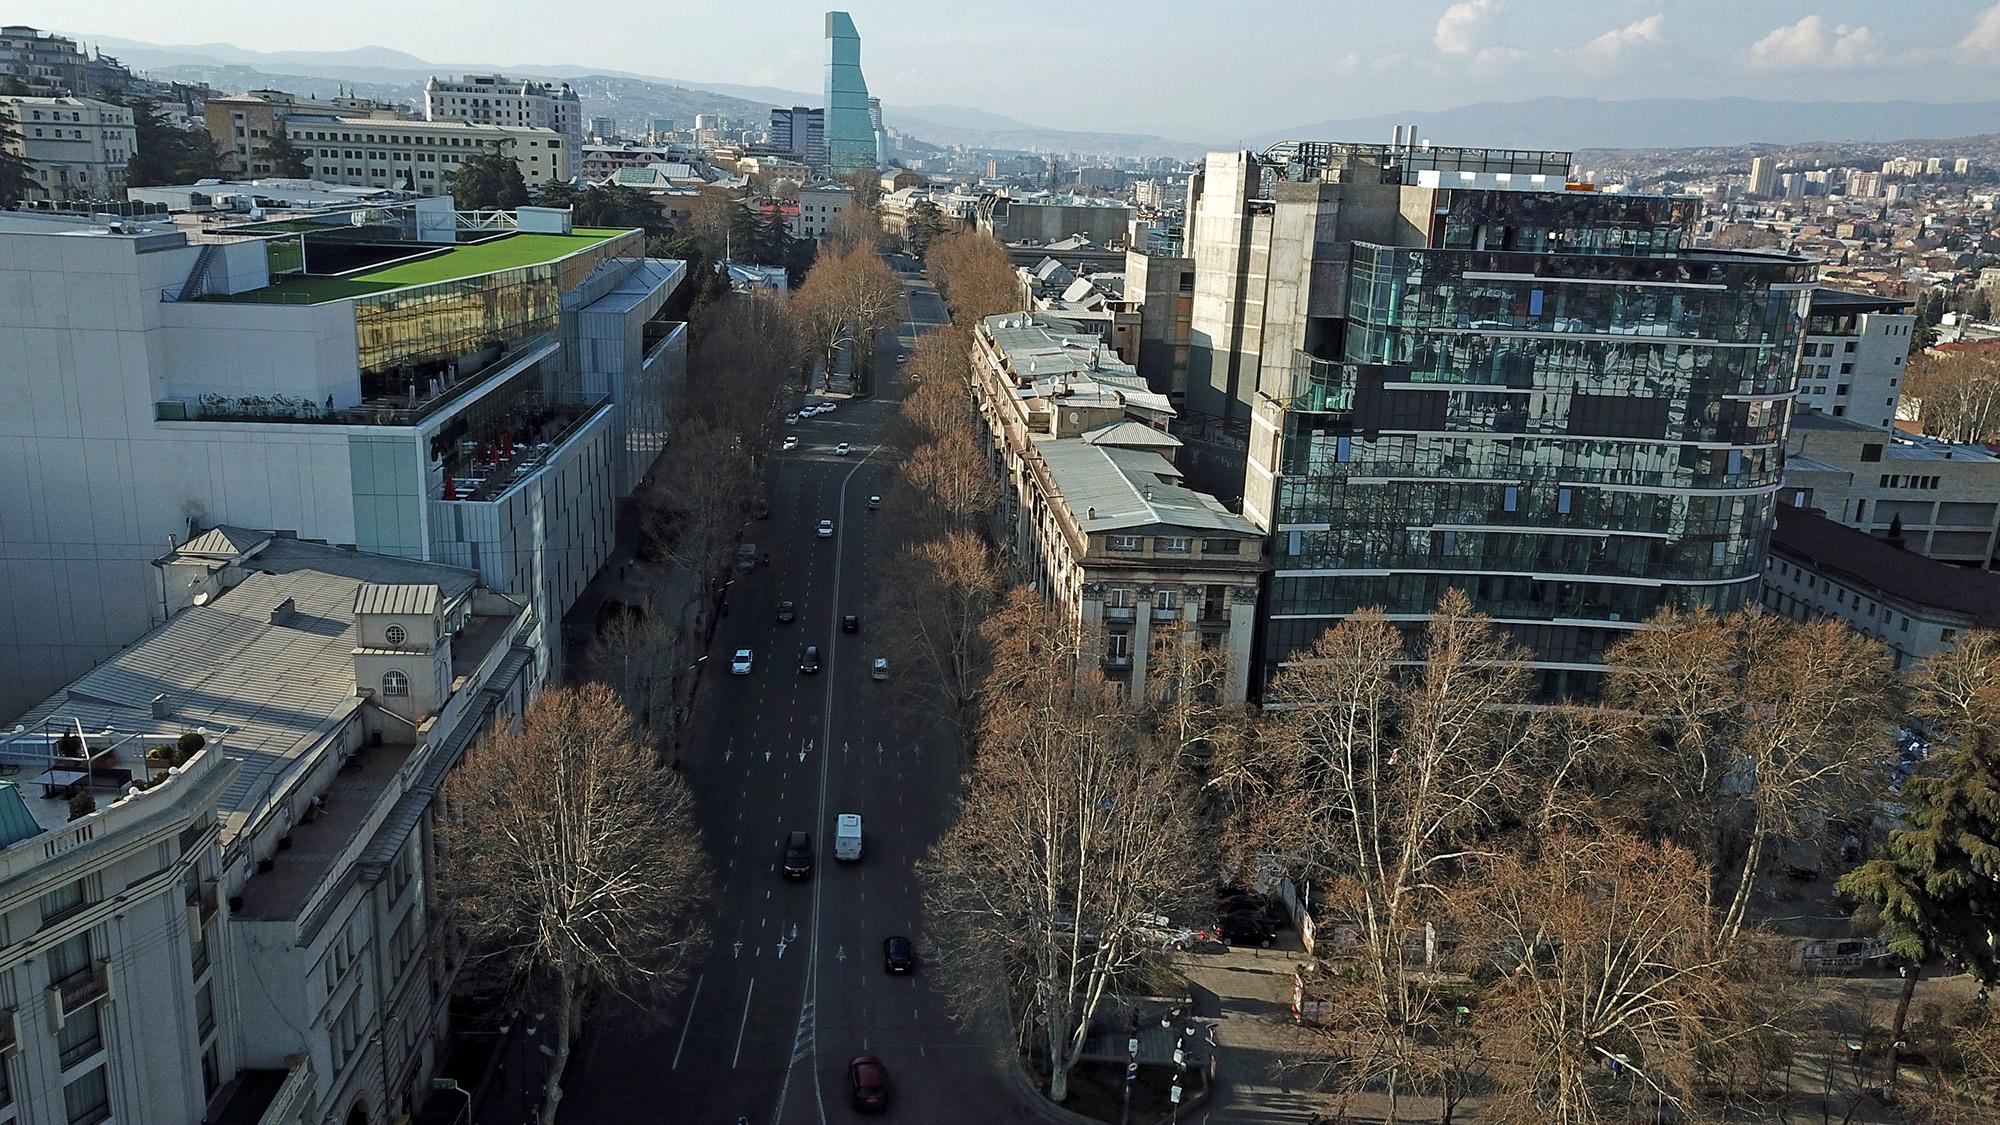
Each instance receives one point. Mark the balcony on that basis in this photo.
(1166, 613)
(1115, 661)
(87, 986)
(1120, 613)
(507, 447)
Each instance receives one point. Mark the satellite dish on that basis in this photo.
(201, 599)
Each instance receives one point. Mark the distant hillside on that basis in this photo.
(1579, 123)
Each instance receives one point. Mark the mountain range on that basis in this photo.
(1548, 122)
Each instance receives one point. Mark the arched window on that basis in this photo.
(395, 635)
(395, 683)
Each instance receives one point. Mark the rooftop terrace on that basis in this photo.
(445, 264)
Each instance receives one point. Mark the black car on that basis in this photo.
(786, 612)
(1245, 917)
(898, 955)
(809, 659)
(851, 623)
(799, 855)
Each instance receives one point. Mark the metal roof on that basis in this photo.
(223, 542)
(405, 600)
(1107, 488)
(1132, 435)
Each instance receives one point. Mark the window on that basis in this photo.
(88, 1099)
(1118, 646)
(395, 684)
(395, 635)
(1565, 496)
(82, 1036)
(1178, 544)
(204, 1010)
(62, 902)
(70, 960)
(1125, 542)
(1218, 547)
(1119, 597)
(1167, 597)
(1511, 500)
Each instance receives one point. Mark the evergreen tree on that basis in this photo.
(13, 169)
(925, 224)
(1936, 884)
(775, 245)
(488, 181)
(285, 160)
(745, 234)
(163, 153)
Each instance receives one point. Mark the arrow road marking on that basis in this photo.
(840, 953)
(735, 950)
(781, 948)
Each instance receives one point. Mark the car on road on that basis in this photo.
(898, 955)
(741, 664)
(791, 419)
(798, 855)
(850, 623)
(787, 612)
(826, 529)
(840, 450)
(808, 659)
(874, 502)
(826, 408)
(900, 357)
(791, 441)
(870, 1080)
(879, 670)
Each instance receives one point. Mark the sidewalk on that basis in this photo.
(1248, 992)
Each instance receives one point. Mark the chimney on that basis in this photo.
(1411, 136)
(283, 611)
(161, 708)
(1398, 142)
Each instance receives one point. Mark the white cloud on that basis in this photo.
(1462, 31)
(1983, 41)
(1638, 34)
(1811, 44)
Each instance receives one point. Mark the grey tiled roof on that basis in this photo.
(1107, 488)
(408, 600)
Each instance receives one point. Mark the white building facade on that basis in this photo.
(76, 148)
(493, 99)
(421, 156)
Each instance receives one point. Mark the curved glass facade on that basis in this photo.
(1578, 433)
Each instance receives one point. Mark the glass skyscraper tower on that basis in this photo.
(850, 133)
(1499, 382)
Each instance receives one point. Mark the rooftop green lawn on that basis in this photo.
(474, 260)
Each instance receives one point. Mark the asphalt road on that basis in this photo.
(793, 987)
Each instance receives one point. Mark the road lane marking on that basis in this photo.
(746, 1023)
(689, 1023)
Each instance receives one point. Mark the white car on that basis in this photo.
(900, 357)
(840, 450)
(791, 441)
(826, 529)
(791, 419)
(740, 666)
(826, 408)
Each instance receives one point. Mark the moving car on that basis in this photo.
(741, 664)
(850, 623)
(870, 1080)
(840, 450)
(791, 441)
(809, 659)
(786, 612)
(879, 670)
(874, 502)
(847, 837)
(798, 862)
(898, 955)
(791, 419)
(900, 357)
(826, 529)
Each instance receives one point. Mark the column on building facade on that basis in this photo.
(1242, 611)
(1142, 640)
(1091, 624)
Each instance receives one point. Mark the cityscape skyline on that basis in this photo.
(1427, 58)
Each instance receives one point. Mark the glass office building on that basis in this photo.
(1557, 406)
(850, 131)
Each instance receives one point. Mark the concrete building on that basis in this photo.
(242, 125)
(1914, 605)
(235, 198)
(1097, 512)
(850, 129)
(493, 99)
(820, 205)
(290, 944)
(1447, 369)
(800, 131)
(75, 148)
(1942, 497)
(603, 130)
(1852, 363)
(1160, 284)
(881, 132)
(51, 65)
(1036, 217)
(366, 382)
(421, 156)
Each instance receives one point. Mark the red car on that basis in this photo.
(871, 1082)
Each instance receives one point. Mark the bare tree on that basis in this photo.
(635, 653)
(857, 228)
(974, 274)
(1385, 778)
(710, 215)
(954, 474)
(1957, 393)
(572, 863)
(1074, 829)
(1957, 689)
(848, 296)
(938, 614)
(1609, 977)
(1779, 724)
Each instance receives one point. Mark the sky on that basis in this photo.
(1184, 69)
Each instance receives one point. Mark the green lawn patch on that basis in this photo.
(511, 252)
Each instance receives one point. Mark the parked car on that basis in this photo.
(870, 1080)
(791, 419)
(879, 670)
(826, 408)
(791, 441)
(900, 357)
(786, 613)
(741, 664)
(826, 529)
(798, 863)
(850, 623)
(840, 450)
(809, 659)
(898, 955)
(874, 502)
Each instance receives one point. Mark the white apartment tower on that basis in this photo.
(493, 99)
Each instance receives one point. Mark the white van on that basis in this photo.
(847, 837)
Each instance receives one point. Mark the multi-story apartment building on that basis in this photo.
(1914, 605)
(1040, 217)
(493, 99)
(419, 156)
(1852, 365)
(1942, 498)
(243, 125)
(1159, 281)
(283, 967)
(75, 148)
(371, 381)
(1095, 510)
(800, 131)
(820, 205)
(52, 65)
(1460, 372)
